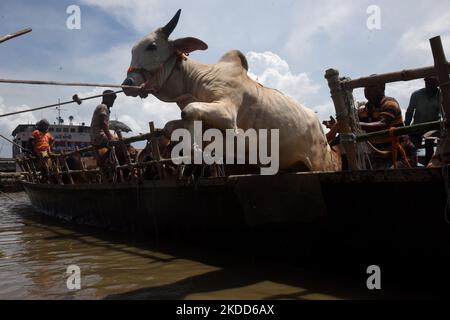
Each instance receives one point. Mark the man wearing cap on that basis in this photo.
(424, 106)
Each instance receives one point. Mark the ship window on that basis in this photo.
(66, 130)
(51, 129)
(72, 129)
(58, 129)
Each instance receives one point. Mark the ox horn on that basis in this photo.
(168, 28)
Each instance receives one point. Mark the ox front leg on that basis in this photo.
(217, 117)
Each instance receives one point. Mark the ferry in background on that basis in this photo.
(67, 137)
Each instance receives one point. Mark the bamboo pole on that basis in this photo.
(67, 84)
(404, 75)
(59, 104)
(15, 34)
(342, 116)
(116, 165)
(155, 150)
(427, 126)
(83, 167)
(127, 154)
(142, 137)
(7, 175)
(441, 70)
(66, 166)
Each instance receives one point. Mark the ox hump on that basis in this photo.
(235, 56)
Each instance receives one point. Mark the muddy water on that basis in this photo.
(35, 252)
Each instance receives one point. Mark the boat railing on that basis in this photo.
(55, 168)
(352, 137)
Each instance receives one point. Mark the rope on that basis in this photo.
(69, 84)
(17, 145)
(74, 100)
(396, 146)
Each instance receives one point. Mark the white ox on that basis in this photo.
(223, 96)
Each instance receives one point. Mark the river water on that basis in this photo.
(35, 252)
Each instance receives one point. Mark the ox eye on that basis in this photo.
(151, 47)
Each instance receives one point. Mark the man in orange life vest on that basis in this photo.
(42, 141)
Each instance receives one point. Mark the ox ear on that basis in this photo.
(189, 44)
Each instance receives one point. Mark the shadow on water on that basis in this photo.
(241, 263)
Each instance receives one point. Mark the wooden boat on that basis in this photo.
(403, 208)
(389, 208)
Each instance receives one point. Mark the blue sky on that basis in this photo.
(289, 45)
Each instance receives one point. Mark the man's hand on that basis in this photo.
(329, 123)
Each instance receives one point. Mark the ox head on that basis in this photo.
(150, 57)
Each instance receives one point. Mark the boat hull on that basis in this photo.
(403, 208)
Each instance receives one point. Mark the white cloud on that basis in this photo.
(272, 71)
(137, 14)
(8, 124)
(314, 21)
(430, 21)
(110, 65)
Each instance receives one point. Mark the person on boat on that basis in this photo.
(425, 105)
(42, 141)
(380, 113)
(99, 131)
